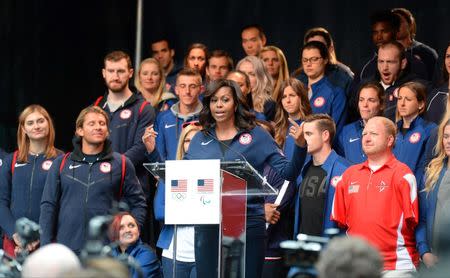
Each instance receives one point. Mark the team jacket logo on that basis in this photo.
(335, 180)
(1, 162)
(382, 186)
(414, 138)
(19, 165)
(105, 167)
(245, 139)
(353, 188)
(125, 114)
(74, 166)
(319, 102)
(47, 164)
(395, 93)
(206, 143)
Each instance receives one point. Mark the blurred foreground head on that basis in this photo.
(52, 260)
(349, 257)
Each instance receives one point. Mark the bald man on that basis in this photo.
(52, 260)
(377, 200)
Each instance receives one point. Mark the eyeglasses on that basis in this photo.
(312, 60)
(190, 86)
(194, 123)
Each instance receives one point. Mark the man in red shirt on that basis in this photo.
(377, 200)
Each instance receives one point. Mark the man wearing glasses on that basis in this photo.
(169, 123)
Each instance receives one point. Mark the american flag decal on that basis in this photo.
(178, 185)
(205, 185)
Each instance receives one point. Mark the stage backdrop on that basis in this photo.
(53, 50)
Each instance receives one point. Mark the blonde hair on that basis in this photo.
(90, 109)
(23, 142)
(283, 73)
(264, 83)
(184, 132)
(162, 82)
(436, 164)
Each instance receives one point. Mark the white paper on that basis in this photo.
(280, 196)
(192, 192)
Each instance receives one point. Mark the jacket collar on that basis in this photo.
(132, 99)
(417, 121)
(390, 163)
(77, 155)
(175, 109)
(326, 164)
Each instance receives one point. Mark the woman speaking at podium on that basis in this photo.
(229, 134)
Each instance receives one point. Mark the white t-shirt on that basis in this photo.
(185, 245)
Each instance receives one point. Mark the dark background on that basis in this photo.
(52, 51)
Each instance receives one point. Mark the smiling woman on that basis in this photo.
(125, 230)
(150, 82)
(23, 173)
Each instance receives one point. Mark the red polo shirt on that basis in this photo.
(381, 206)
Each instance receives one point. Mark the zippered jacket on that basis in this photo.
(77, 191)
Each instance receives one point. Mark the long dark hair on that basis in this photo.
(281, 116)
(243, 120)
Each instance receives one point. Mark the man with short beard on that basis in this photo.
(129, 115)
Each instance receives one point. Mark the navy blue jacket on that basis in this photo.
(334, 166)
(81, 190)
(3, 154)
(257, 147)
(331, 100)
(127, 126)
(339, 75)
(427, 55)
(427, 210)
(21, 192)
(410, 148)
(145, 257)
(349, 143)
(169, 125)
(436, 104)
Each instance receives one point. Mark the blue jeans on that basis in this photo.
(183, 269)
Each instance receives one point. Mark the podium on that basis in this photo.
(240, 182)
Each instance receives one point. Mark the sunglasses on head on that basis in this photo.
(194, 123)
